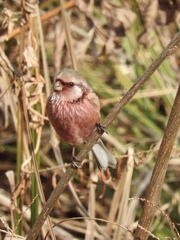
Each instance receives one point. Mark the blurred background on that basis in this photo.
(112, 43)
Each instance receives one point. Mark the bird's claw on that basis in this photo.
(74, 165)
(101, 129)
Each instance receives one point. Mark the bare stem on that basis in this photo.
(155, 187)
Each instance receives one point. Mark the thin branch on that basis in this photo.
(95, 136)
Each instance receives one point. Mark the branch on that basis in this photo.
(95, 136)
(160, 168)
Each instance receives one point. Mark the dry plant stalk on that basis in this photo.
(95, 136)
(160, 168)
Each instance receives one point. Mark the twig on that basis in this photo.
(95, 136)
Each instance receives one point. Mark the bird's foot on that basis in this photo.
(74, 164)
(100, 128)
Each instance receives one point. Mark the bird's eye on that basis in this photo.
(70, 84)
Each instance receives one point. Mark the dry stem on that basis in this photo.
(157, 179)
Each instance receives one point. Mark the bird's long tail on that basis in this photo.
(104, 158)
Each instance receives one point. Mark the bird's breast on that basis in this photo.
(73, 121)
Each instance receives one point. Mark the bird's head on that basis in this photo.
(70, 86)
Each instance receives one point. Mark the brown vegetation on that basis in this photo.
(112, 43)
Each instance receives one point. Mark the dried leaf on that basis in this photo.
(122, 14)
(21, 188)
(11, 178)
(59, 43)
(30, 57)
(13, 237)
(110, 45)
(5, 63)
(30, 52)
(83, 5)
(118, 16)
(82, 46)
(146, 37)
(98, 44)
(33, 91)
(8, 21)
(30, 6)
(151, 13)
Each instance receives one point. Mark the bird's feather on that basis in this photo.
(104, 158)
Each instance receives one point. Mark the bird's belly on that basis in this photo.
(74, 122)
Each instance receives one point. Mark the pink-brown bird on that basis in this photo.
(74, 110)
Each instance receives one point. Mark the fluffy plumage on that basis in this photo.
(73, 110)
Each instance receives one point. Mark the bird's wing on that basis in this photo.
(104, 158)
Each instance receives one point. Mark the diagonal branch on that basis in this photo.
(95, 136)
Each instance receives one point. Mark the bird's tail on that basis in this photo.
(104, 158)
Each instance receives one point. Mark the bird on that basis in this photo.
(73, 110)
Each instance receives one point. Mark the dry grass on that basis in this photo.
(111, 50)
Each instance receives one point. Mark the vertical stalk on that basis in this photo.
(68, 36)
(160, 168)
(20, 130)
(34, 187)
(33, 136)
(19, 162)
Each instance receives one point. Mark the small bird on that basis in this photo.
(74, 110)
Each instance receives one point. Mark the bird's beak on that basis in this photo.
(58, 86)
